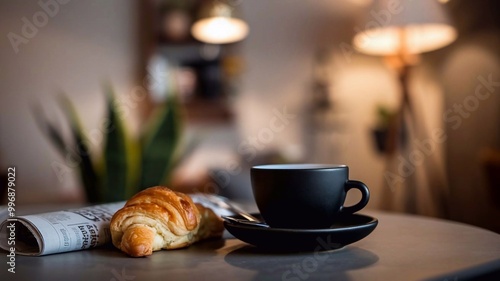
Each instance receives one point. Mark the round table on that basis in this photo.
(402, 247)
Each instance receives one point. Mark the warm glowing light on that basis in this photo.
(361, 3)
(413, 39)
(410, 27)
(219, 30)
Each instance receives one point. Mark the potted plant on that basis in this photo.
(381, 130)
(126, 164)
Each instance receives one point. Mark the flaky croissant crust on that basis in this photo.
(159, 218)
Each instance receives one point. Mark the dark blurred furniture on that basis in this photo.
(165, 32)
(490, 159)
(3, 187)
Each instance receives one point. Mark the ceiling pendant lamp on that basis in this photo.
(218, 24)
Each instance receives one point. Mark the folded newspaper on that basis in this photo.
(73, 229)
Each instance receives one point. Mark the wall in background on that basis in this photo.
(81, 45)
(471, 76)
(87, 42)
(280, 53)
(471, 127)
(279, 58)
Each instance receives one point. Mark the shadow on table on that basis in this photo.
(301, 266)
(108, 263)
(484, 272)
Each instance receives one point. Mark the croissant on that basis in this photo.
(159, 218)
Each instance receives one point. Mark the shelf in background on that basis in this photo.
(207, 111)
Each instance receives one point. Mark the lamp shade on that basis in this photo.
(404, 26)
(218, 24)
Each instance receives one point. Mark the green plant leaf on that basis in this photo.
(133, 153)
(115, 181)
(160, 144)
(88, 175)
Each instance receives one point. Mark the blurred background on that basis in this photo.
(406, 94)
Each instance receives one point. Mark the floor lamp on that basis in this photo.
(399, 31)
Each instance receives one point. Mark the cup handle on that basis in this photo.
(365, 196)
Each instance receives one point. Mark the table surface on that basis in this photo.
(402, 247)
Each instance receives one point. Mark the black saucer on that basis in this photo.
(348, 229)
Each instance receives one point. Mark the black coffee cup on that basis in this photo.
(304, 196)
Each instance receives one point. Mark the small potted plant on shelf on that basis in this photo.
(381, 131)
